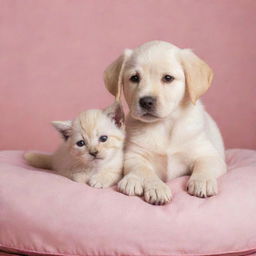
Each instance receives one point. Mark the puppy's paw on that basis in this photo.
(157, 192)
(201, 187)
(131, 185)
(101, 180)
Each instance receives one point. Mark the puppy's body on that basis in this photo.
(169, 133)
(83, 157)
(176, 142)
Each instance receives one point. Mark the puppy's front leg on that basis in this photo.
(203, 180)
(140, 178)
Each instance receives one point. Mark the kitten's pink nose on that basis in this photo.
(94, 153)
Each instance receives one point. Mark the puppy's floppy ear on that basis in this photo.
(63, 127)
(116, 114)
(198, 74)
(113, 75)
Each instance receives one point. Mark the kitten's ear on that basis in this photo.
(63, 127)
(116, 113)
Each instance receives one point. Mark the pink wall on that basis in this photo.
(53, 53)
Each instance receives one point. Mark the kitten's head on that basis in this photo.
(94, 134)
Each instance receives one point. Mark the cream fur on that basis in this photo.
(75, 162)
(179, 137)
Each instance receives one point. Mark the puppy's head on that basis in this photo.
(156, 78)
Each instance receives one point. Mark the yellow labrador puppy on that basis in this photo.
(169, 133)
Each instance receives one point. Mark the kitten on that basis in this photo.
(92, 150)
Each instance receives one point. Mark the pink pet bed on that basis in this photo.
(45, 214)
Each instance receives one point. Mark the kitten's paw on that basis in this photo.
(80, 177)
(157, 192)
(131, 185)
(101, 181)
(202, 187)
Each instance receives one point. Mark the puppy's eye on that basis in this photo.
(103, 138)
(80, 143)
(135, 78)
(167, 79)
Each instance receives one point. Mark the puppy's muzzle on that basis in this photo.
(147, 103)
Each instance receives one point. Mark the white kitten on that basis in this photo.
(92, 151)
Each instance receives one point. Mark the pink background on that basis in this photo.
(53, 53)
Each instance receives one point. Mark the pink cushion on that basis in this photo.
(44, 213)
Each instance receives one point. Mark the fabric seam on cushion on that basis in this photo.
(194, 254)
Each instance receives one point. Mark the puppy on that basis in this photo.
(169, 133)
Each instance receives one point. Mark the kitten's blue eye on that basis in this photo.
(103, 138)
(80, 143)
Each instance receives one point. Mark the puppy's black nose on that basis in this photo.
(147, 102)
(93, 153)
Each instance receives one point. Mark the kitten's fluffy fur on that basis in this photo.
(76, 162)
